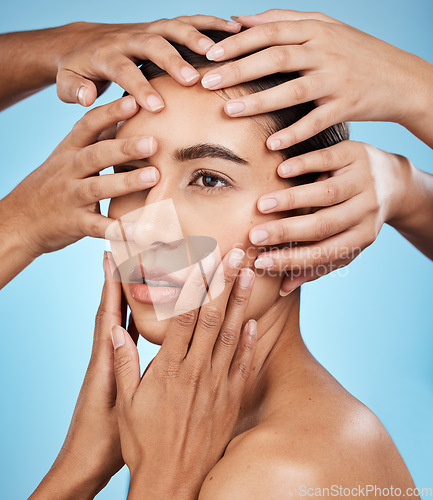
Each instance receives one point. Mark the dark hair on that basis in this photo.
(277, 119)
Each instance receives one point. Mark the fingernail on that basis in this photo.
(146, 145)
(234, 24)
(205, 44)
(128, 103)
(104, 261)
(259, 236)
(235, 18)
(264, 262)
(267, 204)
(148, 175)
(117, 336)
(215, 53)
(233, 108)
(154, 103)
(189, 74)
(275, 144)
(285, 169)
(82, 93)
(236, 257)
(252, 327)
(246, 277)
(211, 81)
(283, 293)
(113, 268)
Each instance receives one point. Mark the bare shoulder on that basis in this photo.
(301, 456)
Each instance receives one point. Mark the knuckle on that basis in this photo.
(318, 125)
(243, 370)
(186, 319)
(290, 198)
(279, 56)
(170, 370)
(327, 158)
(238, 299)
(300, 92)
(122, 365)
(92, 228)
(153, 40)
(228, 337)
(211, 318)
(282, 233)
(271, 31)
(322, 229)
(331, 194)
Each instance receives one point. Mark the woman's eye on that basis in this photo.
(209, 180)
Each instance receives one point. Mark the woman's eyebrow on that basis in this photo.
(208, 151)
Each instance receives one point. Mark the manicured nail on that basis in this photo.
(235, 258)
(82, 93)
(149, 174)
(215, 53)
(233, 108)
(205, 44)
(267, 204)
(252, 327)
(234, 24)
(146, 145)
(117, 336)
(189, 74)
(211, 81)
(246, 277)
(128, 103)
(264, 262)
(283, 293)
(258, 236)
(285, 169)
(235, 18)
(154, 103)
(112, 266)
(275, 144)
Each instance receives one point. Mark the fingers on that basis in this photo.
(242, 362)
(87, 130)
(125, 73)
(322, 160)
(185, 313)
(103, 154)
(317, 194)
(266, 62)
(228, 338)
(312, 123)
(212, 315)
(312, 227)
(346, 245)
(202, 22)
(273, 15)
(259, 37)
(126, 364)
(72, 87)
(109, 312)
(297, 91)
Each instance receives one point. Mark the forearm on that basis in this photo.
(15, 255)
(28, 62)
(418, 92)
(415, 218)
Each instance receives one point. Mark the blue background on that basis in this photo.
(372, 329)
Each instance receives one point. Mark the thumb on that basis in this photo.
(126, 363)
(72, 87)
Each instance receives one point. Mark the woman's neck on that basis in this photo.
(280, 353)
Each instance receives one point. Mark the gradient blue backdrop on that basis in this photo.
(372, 329)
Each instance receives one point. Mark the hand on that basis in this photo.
(176, 422)
(91, 453)
(58, 203)
(350, 75)
(93, 54)
(363, 187)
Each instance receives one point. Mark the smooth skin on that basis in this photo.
(83, 58)
(294, 415)
(336, 63)
(113, 397)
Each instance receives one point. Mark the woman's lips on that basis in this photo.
(153, 285)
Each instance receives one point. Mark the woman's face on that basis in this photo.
(212, 171)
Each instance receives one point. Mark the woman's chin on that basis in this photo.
(148, 325)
